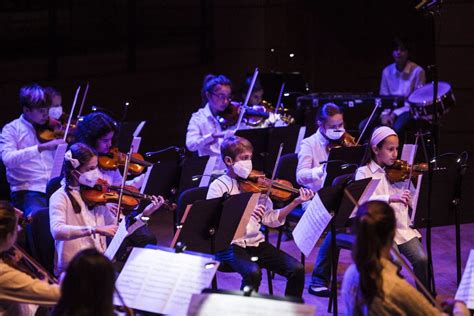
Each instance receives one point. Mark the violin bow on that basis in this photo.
(396, 254)
(70, 115)
(247, 98)
(83, 101)
(378, 103)
(124, 179)
(277, 161)
(277, 106)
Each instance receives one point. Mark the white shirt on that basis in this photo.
(26, 167)
(400, 298)
(310, 173)
(403, 231)
(253, 236)
(72, 231)
(401, 83)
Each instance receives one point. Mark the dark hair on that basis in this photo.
(94, 126)
(8, 220)
(369, 153)
(248, 80)
(400, 43)
(88, 286)
(34, 97)
(51, 92)
(326, 111)
(83, 154)
(375, 229)
(210, 82)
(234, 145)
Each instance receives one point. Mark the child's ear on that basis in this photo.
(228, 161)
(375, 149)
(76, 174)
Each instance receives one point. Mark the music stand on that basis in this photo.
(343, 160)
(209, 226)
(190, 167)
(128, 130)
(266, 143)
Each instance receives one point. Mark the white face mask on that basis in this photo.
(243, 168)
(335, 134)
(55, 112)
(89, 178)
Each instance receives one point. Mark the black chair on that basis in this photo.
(287, 170)
(344, 240)
(190, 196)
(43, 242)
(53, 185)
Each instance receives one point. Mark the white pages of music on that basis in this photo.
(225, 304)
(163, 282)
(466, 287)
(311, 225)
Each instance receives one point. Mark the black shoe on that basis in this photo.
(321, 291)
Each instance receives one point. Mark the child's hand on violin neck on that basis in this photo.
(403, 197)
(51, 145)
(258, 212)
(305, 195)
(156, 203)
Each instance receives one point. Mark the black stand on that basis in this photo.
(190, 168)
(266, 143)
(342, 210)
(343, 160)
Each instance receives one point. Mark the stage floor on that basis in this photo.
(444, 260)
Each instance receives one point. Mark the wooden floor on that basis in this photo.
(444, 260)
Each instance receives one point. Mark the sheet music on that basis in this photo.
(163, 282)
(300, 138)
(408, 153)
(311, 225)
(369, 190)
(147, 177)
(136, 143)
(210, 165)
(58, 161)
(225, 304)
(414, 199)
(465, 290)
(120, 235)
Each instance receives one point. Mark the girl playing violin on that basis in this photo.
(74, 225)
(381, 153)
(205, 133)
(19, 292)
(311, 173)
(237, 155)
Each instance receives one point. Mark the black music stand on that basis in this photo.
(163, 179)
(343, 160)
(209, 226)
(191, 167)
(266, 143)
(341, 206)
(126, 134)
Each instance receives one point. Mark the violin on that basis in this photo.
(19, 259)
(346, 140)
(114, 159)
(52, 129)
(256, 182)
(103, 193)
(400, 170)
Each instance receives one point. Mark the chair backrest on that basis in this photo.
(189, 197)
(287, 168)
(53, 185)
(342, 178)
(44, 242)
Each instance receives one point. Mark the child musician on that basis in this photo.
(20, 294)
(311, 174)
(28, 161)
(237, 155)
(74, 225)
(205, 134)
(382, 153)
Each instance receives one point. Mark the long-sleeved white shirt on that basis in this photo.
(403, 231)
(20, 294)
(72, 231)
(253, 236)
(27, 168)
(310, 173)
(401, 83)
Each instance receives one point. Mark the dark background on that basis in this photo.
(154, 54)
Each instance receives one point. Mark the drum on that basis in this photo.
(421, 101)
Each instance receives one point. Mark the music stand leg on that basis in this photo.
(333, 269)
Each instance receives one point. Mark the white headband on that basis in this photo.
(380, 134)
(74, 162)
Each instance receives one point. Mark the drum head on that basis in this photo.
(424, 95)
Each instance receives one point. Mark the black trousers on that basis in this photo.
(249, 261)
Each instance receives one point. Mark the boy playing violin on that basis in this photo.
(236, 153)
(28, 162)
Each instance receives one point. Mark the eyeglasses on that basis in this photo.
(222, 97)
